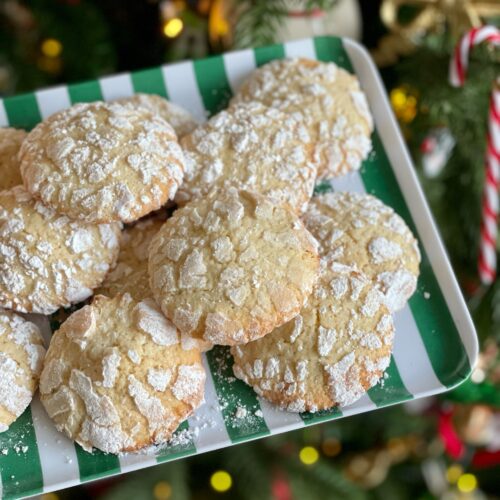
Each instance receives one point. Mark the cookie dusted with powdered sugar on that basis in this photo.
(330, 354)
(116, 378)
(102, 162)
(182, 121)
(231, 267)
(10, 143)
(47, 260)
(21, 357)
(130, 274)
(362, 233)
(327, 99)
(254, 147)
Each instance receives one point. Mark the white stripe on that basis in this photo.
(490, 225)
(57, 453)
(464, 55)
(349, 182)
(182, 88)
(484, 33)
(300, 48)
(115, 87)
(411, 357)
(134, 461)
(208, 419)
(238, 67)
(489, 255)
(278, 420)
(364, 403)
(494, 129)
(51, 101)
(4, 121)
(492, 196)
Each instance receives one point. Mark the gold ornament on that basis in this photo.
(404, 101)
(432, 16)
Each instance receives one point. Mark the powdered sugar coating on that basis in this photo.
(358, 231)
(48, 261)
(10, 143)
(231, 267)
(100, 397)
(21, 357)
(102, 162)
(327, 99)
(254, 147)
(338, 349)
(182, 121)
(130, 274)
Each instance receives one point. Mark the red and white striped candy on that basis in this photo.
(490, 206)
(460, 60)
(487, 264)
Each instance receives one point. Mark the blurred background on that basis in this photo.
(446, 447)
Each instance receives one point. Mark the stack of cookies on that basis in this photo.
(302, 289)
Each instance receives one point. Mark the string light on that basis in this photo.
(467, 483)
(51, 47)
(162, 490)
(49, 496)
(221, 481)
(309, 455)
(453, 473)
(331, 447)
(173, 27)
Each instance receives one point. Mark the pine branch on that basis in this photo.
(259, 20)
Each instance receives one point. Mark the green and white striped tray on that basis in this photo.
(435, 344)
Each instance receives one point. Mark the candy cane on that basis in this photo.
(487, 263)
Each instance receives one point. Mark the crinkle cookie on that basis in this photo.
(102, 162)
(329, 101)
(10, 143)
(362, 233)
(330, 354)
(182, 121)
(47, 260)
(116, 378)
(130, 274)
(254, 147)
(21, 358)
(231, 267)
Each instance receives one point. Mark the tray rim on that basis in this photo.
(405, 173)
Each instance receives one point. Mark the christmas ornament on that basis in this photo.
(436, 150)
(490, 206)
(404, 103)
(432, 16)
(309, 455)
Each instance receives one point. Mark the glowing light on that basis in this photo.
(162, 490)
(221, 481)
(49, 496)
(331, 447)
(467, 483)
(173, 27)
(51, 47)
(308, 455)
(453, 473)
(478, 376)
(398, 98)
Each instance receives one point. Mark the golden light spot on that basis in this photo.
(221, 481)
(453, 473)
(51, 47)
(331, 447)
(173, 27)
(162, 490)
(467, 483)
(308, 455)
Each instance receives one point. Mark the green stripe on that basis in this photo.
(331, 49)
(265, 54)
(22, 111)
(321, 416)
(233, 394)
(178, 449)
(149, 81)
(435, 324)
(213, 83)
(390, 389)
(96, 464)
(21, 471)
(85, 92)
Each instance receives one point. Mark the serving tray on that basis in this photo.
(435, 345)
